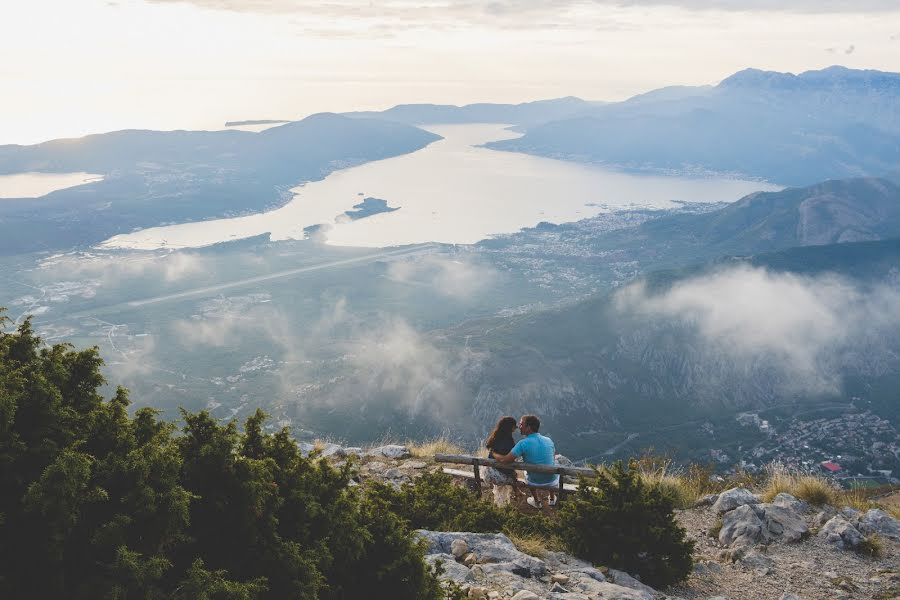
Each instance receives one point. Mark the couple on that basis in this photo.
(532, 448)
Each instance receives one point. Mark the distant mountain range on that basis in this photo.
(525, 114)
(789, 129)
(155, 177)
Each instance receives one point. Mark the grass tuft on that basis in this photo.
(871, 546)
(806, 486)
(533, 544)
(428, 448)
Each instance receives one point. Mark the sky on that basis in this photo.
(72, 67)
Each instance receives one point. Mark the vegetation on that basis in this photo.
(811, 488)
(95, 503)
(684, 485)
(620, 521)
(871, 546)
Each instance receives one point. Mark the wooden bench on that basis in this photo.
(477, 462)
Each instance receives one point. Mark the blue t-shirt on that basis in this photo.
(539, 450)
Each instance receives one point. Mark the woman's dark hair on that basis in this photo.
(505, 426)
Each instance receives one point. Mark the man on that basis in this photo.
(536, 449)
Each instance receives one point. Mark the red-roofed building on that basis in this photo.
(830, 466)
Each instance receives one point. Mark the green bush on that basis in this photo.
(97, 504)
(433, 502)
(620, 521)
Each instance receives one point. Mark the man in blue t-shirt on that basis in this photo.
(536, 449)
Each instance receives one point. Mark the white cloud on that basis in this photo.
(113, 269)
(457, 278)
(807, 329)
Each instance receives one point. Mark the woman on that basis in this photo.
(501, 441)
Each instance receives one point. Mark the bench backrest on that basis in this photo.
(462, 459)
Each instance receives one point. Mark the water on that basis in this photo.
(451, 191)
(35, 185)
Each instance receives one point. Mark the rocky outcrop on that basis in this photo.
(841, 533)
(733, 498)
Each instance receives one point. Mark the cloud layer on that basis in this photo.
(809, 330)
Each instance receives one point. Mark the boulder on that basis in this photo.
(526, 595)
(459, 548)
(707, 500)
(563, 461)
(330, 450)
(470, 560)
(623, 579)
(879, 522)
(760, 563)
(733, 498)
(842, 533)
(489, 547)
(560, 578)
(785, 500)
(453, 571)
(741, 527)
(783, 523)
(392, 451)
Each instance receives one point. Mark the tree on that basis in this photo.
(620, 521)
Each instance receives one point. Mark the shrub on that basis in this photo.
(434, 502)
(620, 521)
(97, 504)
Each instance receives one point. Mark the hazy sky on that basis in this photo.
(70, 67)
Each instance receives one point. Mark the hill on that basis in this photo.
(785, 128)
(526, 113)
(155, 177)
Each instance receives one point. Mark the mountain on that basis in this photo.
(790, 129)
(154, 177)
(527, 113)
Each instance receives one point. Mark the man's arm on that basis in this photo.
(504, 458)
(513, 454)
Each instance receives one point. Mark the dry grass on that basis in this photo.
(684, 486)
(871, 546)
(441, 445)
(856, 498)
(534, 545)
(808, 487)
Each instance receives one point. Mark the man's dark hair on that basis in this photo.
(532, 422)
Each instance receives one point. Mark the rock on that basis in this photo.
(493, 595)
(783, 523)
(478, 593)
(516, 568)
(558, 589)
(353, 450)
(453, 571)
(415, 464)
(840, 532)
(741, 527)
(330, 450)
(879, 522)
(790, 596)
(392, 451)
(526, 595)
(560, 578)
(707, 500)
(623, 579)
(459, 548)
(707, 568)
(563, 461)
(470, 559)
(395, 473)
(489, 547)
(305, 448)
(733, 498)
(785, 500)
(760, 563)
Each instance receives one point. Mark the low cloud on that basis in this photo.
(456, 278)
(112, 269)
(808, 330)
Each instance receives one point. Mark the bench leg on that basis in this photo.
(559, 492)
(477, 478)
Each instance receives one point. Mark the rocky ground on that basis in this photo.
(745, 549)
